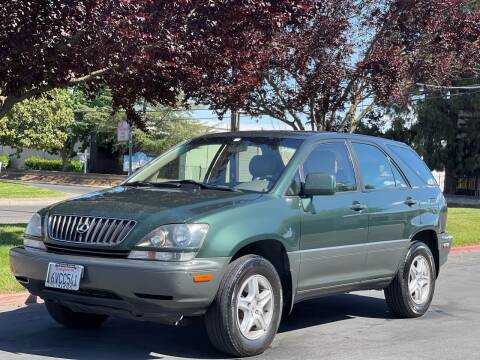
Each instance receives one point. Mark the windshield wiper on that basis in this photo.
(151, 184)
(203, 185)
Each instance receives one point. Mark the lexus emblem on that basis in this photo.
(83, 228)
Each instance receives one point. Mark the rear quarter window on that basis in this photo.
(411, 159)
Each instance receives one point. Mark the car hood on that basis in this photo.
(151, 207)
(142, 203)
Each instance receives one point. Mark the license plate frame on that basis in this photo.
(64, 276)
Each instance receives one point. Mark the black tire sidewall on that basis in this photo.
(418, 249)
(254, 266)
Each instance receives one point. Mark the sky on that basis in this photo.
(209, 118)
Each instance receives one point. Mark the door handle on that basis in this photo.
(410, 201)
(357, 206)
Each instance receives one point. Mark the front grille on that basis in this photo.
(65, 250)
(89, 229)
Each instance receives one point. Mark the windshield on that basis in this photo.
(243, 163)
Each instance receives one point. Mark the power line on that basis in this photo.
(469, 87)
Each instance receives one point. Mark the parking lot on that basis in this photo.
(351, 326)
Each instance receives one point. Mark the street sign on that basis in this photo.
(123, 131)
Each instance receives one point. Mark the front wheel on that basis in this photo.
(71, 319)
(411, 291)
(245, 315)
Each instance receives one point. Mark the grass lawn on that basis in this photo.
(10, 235)
(464, 225)
(10, 190)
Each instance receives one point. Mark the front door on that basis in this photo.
(334, 227)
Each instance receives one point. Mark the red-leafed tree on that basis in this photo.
(346, 57)
(312, 64)
(154, 50)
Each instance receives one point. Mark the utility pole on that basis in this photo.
(235, 121)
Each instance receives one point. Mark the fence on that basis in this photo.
(468, 185)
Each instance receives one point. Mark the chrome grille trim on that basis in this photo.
(101, 231)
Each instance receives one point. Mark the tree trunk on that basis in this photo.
(450, 184)
(65, 158)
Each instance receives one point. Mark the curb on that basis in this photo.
(462, 249)
(14, 298)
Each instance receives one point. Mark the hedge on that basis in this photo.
(5, 160)
(37, 163)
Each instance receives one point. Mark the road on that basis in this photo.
(20, 211)
(355, 326)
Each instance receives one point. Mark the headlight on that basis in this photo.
(173, 242)
(33, 233)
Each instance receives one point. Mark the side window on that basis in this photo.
(295, 186)
(415, 163)
(399, 179)
(377, 171)
(332, 159)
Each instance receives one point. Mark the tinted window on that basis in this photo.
(332, 159)
(376, 169)
(413, 161)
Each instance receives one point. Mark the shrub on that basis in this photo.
(5, 160)
(37, 163)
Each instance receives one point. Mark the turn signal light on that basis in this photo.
(202, 278)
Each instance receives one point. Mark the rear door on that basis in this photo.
(334, 227)
(392, 209)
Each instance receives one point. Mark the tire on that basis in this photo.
(414, 302)
(71, 319)
(224, 319)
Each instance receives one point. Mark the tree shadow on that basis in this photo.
(29, 330)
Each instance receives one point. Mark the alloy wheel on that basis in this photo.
(254, 308)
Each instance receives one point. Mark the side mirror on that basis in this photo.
(319, 184)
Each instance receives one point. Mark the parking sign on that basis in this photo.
(123, 131)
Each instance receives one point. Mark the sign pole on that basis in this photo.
(85, 163)
(130, 151)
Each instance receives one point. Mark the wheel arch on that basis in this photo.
(429, 237)
(274, 251)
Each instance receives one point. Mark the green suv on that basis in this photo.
(237, 228)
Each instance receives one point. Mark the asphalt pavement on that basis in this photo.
(355, 326)
(19, 211)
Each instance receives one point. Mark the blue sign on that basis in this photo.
(139, 159)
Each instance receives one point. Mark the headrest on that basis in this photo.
(261, 166)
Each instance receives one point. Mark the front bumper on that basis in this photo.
(149, 290)
(444, 245)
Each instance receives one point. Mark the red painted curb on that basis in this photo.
(461, 249)
(14, 298)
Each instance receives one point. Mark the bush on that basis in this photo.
(5, 160)
(37, 163)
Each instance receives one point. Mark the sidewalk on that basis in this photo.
(64, 178)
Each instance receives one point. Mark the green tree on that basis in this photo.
(164, 129)
(447, 133)
(39, 123)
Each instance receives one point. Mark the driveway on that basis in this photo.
(19, 211)
(352, 326)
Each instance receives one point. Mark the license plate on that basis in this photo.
(64, 276)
